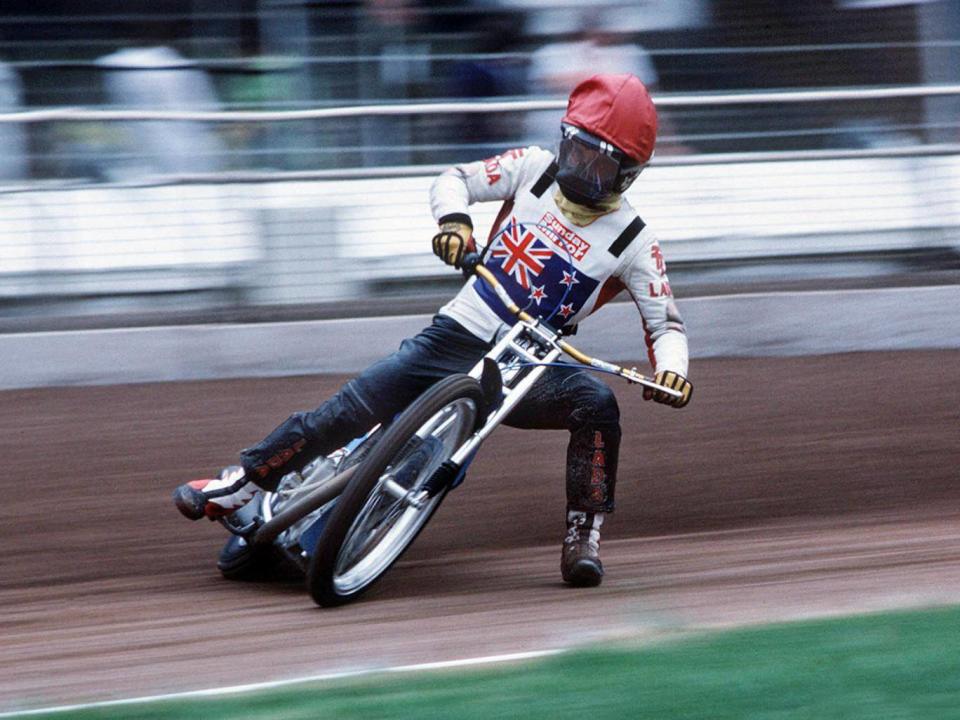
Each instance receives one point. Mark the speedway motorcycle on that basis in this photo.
(346, 518)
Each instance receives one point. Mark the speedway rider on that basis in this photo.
(566, 241)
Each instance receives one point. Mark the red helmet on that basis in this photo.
(608, 136)
(618, 109)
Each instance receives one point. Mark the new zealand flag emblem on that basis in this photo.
(543, 282)
(521, 254)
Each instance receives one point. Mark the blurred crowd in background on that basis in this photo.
(295, 54)
(109, 214)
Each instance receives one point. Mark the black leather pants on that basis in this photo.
(568, 397)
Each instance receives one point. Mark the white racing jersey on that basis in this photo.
(551, 267)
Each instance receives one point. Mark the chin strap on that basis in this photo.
(581, 214)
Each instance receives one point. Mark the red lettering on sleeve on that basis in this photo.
(661, 289)
(657, 256)
(491, 166)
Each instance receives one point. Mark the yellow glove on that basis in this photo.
(454, 240)
(674, 381)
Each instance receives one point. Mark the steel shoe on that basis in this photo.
(215, 498)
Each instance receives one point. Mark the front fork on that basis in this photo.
(511, 357)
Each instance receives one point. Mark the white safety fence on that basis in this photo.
(376, 230)
(92, 241)
(310, 240)
(303, 237)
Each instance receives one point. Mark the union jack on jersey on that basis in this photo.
(522, 254)
(540, 280)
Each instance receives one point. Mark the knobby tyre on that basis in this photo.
(386, 505)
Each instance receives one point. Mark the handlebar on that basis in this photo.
(471, 265)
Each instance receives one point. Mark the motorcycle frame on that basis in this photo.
(522, 355)
(527, 344)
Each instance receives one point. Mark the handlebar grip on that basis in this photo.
(469, 263)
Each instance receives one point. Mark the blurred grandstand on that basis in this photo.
(187, 159)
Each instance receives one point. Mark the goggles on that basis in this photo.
(591, 169)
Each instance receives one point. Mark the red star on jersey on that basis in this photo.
(566, 311)
(537, 294)
(569, 279)
(521, 258)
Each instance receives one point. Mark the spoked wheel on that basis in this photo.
(387, 502)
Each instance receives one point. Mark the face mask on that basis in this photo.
(592, 170)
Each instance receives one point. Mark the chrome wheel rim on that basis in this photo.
(386, 524)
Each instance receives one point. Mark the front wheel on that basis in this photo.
(387, 502)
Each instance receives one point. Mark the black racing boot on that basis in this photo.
(580, 562)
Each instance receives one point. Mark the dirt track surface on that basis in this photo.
(789, 488)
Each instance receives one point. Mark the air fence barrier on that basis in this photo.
(739, 326)
(254, 238)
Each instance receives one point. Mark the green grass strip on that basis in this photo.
(896, 666)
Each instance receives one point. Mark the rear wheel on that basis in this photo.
(387, 502)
